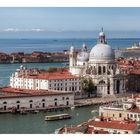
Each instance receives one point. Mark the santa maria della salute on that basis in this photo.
(94, 73)
(99, 64)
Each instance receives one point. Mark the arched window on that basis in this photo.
(31, 101)
(104, 69)
(4, 102)
(99, 70)
(67, 98)
(43, 100)
(55, 103)
(67, 103)
(112, 67)
(101, 82)
(55, 99)
(18, 102)
(65, 88)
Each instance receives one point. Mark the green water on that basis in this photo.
(34, 123)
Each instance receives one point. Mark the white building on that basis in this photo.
(127, 109)
(99, 65)
(35, 79)
(31, 99)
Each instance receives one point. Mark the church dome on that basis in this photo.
(83, 56)
(101, 52)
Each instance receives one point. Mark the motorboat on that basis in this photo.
(57, 117)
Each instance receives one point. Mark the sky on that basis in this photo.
(68, 22)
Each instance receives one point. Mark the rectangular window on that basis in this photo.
(120, 115)
(127, 115)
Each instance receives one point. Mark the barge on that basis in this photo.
(57, 117)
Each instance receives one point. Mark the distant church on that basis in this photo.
(98, 64)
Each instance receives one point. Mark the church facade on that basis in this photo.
(99, 65)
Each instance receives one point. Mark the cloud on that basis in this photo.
(10, 30)
(37, 30)
(22, 30)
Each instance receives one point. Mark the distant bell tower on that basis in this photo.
(102, 39)
(72, 56)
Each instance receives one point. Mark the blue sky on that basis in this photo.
(40, 22)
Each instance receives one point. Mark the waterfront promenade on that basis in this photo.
(103, 100)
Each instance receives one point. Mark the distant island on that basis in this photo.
(34, 57)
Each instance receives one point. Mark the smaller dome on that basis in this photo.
(83, 56)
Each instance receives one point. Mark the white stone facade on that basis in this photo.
(99, 64)
(21, 81)
(37, 102)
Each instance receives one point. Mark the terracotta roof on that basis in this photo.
(114, 125)
(136, 110)
(134, 96)
(8, 92)
(51, 76)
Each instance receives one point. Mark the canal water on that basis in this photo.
(34, 123)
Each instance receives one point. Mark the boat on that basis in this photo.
(134, 47)
(34, 111)
(57, 117)
(72, 108)
(94, 111)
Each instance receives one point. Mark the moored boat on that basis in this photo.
(57, 117)
(134, 47)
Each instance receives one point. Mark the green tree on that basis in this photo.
(88, 85)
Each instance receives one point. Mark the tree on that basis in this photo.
(88, 85)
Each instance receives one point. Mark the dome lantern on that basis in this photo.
(84, 48)
(102, 39)
(102, 51)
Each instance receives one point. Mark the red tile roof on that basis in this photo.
(114, 125)
(8, 92)
(136, 110)
(51, 76)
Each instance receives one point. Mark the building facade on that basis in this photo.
(31, 100)
(127, 109)
(99, 64)
(35, 79)
(109, 126)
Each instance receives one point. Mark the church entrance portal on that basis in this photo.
(118, 86)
